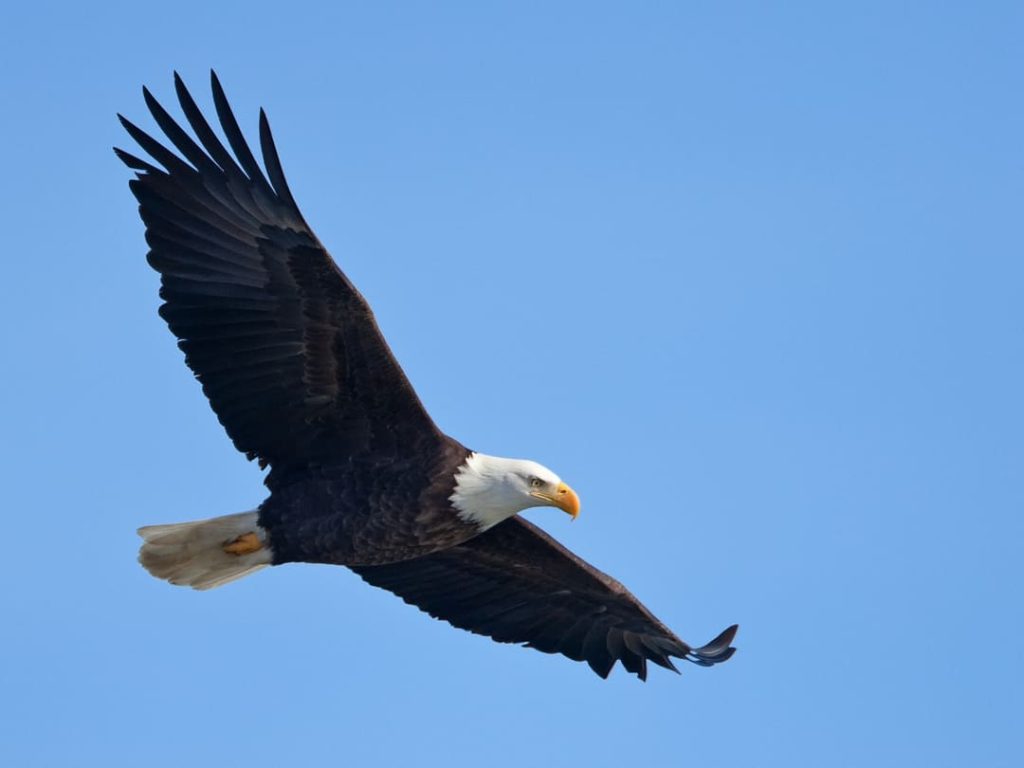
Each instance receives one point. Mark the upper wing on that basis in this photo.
(516, 584)
(287, 351)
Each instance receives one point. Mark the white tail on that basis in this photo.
(193, 554)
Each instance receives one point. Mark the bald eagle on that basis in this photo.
(298, 373)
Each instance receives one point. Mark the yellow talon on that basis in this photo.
(245, 544)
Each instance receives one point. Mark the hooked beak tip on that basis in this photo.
(567, 500)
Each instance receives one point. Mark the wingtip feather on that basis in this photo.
(718, 650)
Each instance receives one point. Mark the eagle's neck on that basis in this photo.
(484, 492)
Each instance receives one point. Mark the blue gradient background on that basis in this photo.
(749, 277)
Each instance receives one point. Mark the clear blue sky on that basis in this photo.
(749, 278)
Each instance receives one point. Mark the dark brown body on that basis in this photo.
(368, 511)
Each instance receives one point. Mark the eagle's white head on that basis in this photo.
(489, 489)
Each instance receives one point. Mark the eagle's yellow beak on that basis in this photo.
(564, 498)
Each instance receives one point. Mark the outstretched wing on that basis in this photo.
(516, 584)
(286, 349)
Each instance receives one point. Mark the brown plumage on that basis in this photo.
(292, 361)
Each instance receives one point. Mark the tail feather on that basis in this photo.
(192, 554)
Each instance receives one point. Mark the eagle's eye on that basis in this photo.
(536, 482)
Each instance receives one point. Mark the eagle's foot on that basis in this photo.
(245, 544)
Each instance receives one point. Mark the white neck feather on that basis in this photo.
(489, 489)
